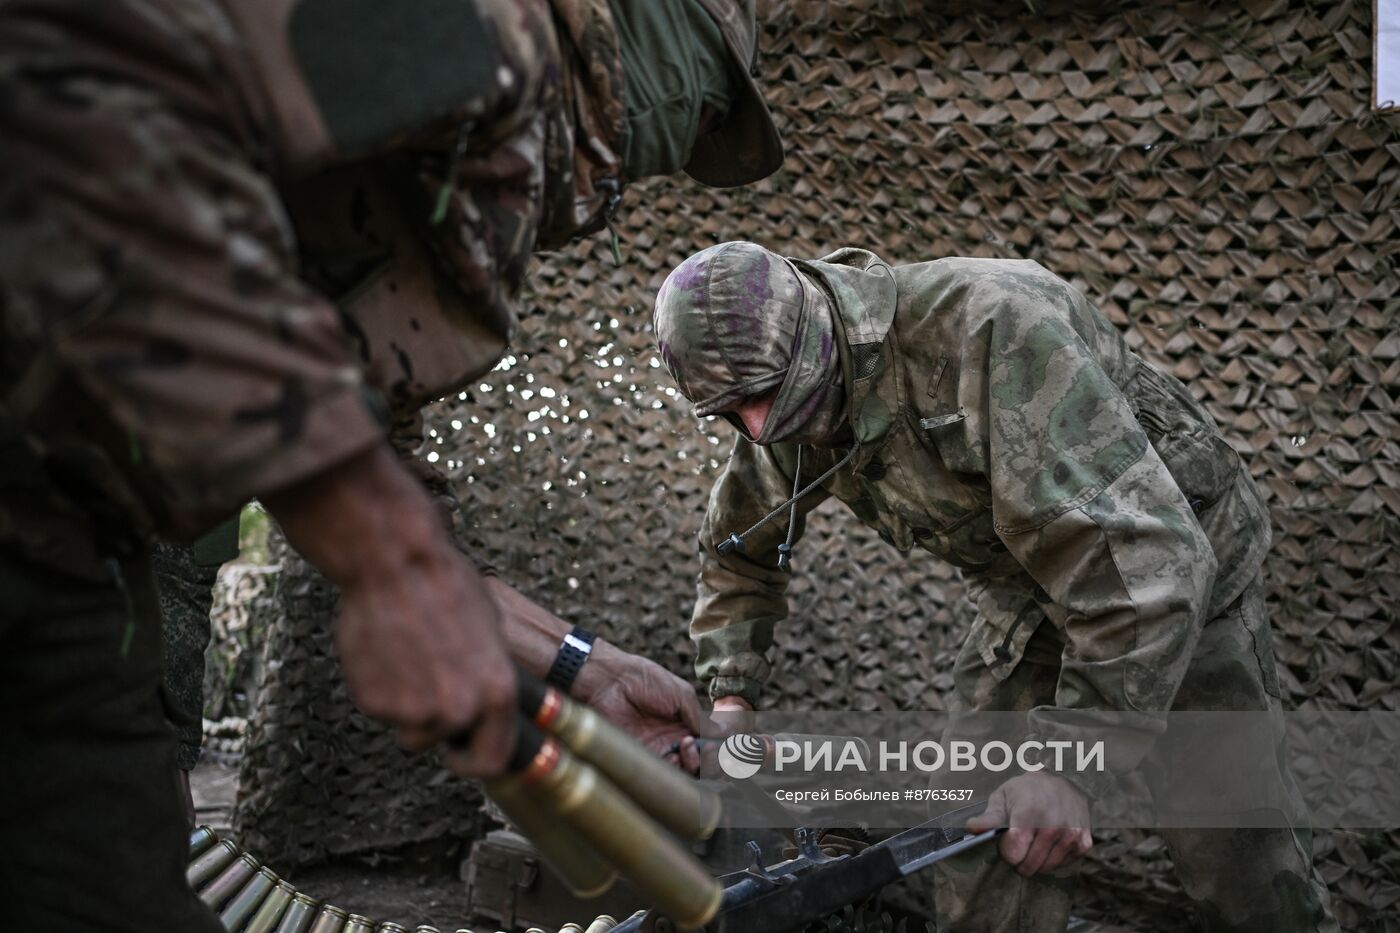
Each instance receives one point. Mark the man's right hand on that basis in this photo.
(418, 635)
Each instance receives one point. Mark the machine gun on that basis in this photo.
(813, 885)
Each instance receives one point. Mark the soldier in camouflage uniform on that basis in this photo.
(241, 241)
(983, 411)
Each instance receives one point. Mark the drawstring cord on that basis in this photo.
(459, 148)
(129, 629)
(735, 542)
(614, 191)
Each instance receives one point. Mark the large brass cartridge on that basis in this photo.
(571, 856)
(270, 910)
(358, 924)
(299, 915)
(654, 862)
(329, 920)
(201, 839)
(426, 928)
(229, 881)
(388, 926)
(667, 794)
(241, 906)
(601, 924)
(210, 864)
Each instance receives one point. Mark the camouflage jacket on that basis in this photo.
(1005, 427)
(420, 185)
(175, 173)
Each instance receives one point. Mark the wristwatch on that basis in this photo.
(573, 651)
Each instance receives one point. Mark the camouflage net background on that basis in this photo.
(1212, 175)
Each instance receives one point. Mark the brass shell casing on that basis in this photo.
(329, 920)
(229, 881)
(388, 926)
(572, 857)
(669, 795)
(356, 923)
(242, 905)
(210, 864)
(601, 924)
(654, 862)
(200, 840)
(299, 914)
(270, 910)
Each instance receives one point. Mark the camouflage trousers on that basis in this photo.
(92, 838)
(1235, 880)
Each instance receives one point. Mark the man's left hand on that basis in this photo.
(647, 701)
(1048, 820)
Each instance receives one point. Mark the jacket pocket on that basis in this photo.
(1198, 458)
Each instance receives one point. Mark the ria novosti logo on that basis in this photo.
(742, 755)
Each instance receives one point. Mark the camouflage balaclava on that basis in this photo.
(736, 321)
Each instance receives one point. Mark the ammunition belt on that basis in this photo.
(250, 898)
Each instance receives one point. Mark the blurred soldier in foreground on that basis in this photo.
(984, 411)
(241, 242)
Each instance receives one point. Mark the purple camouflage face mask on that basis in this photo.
(737, 322)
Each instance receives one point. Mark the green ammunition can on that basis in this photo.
(229, 881)
(299, 914)
(601, 924)
(200, 840)
(329, 920)
(242, 905)
(270, 911)
(209, 864)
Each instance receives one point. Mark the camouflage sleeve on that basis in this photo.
(741, 597)
(1089, 510)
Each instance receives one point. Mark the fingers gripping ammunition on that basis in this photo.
(229, 882)
(669, 795)
(210, 864)
(241, 906)
(626, 837)
(270, 911)
(571, 856)
(299, 914)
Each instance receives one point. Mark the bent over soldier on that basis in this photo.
(984, 412)
(241, 242)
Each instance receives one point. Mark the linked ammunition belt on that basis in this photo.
(250, 898)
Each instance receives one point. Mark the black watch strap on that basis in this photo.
(573, 651)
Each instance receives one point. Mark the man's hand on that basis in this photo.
(1048, 819)
(655, 706)
(418, 632)
(647, 701)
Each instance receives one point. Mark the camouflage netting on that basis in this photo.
(1211, 174)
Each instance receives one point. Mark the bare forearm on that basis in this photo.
(363, 516)
(533, 634)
